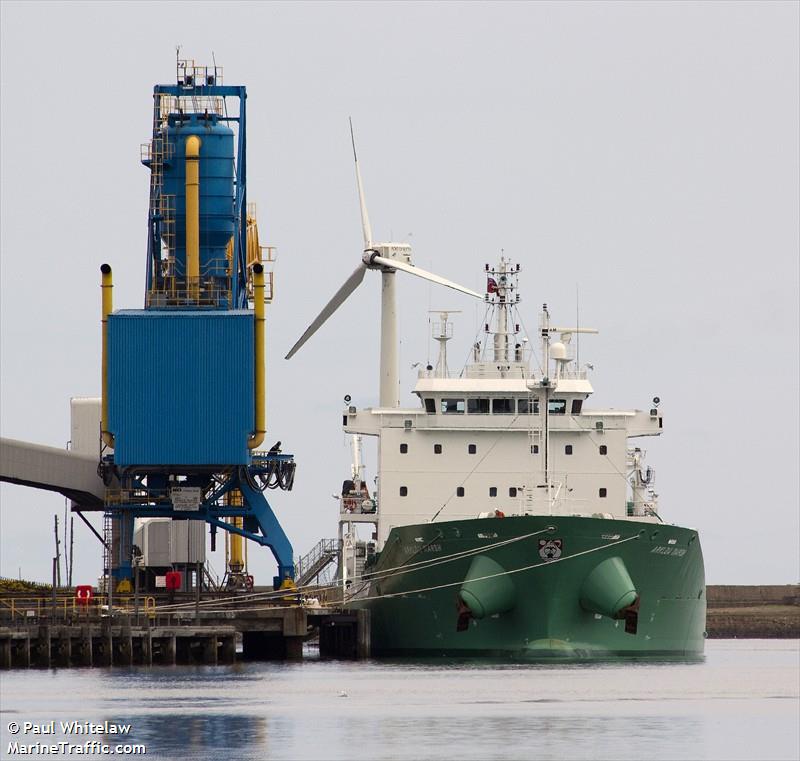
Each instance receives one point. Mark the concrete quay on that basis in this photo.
(63, 637)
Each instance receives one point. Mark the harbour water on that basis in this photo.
(741, 702)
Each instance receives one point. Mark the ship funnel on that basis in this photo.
(487, 588)
(608, 589)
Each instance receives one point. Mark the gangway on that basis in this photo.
(312, 564)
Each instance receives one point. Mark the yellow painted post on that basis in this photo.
(233, 547)
(107, 286)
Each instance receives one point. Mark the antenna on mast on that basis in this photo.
(578, 326)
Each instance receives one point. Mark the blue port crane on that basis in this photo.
(183, 404)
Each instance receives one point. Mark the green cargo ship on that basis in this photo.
(508, 517)
(538, 586)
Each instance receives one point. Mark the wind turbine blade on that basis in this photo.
(366, 229)
(411, 269)
(338, 299)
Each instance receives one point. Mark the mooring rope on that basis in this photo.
(366, 578)
(495, 575)
(447, 585)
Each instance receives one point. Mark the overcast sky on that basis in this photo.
(645, 154)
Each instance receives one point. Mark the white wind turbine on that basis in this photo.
(387, 258)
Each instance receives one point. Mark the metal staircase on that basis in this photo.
(311, 565)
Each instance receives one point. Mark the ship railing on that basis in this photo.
(574, 374)
(489, 370)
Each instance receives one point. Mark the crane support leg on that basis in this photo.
(274, 536)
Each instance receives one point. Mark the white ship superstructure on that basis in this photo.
(510, 433)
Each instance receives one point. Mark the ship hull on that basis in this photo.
(535, 585)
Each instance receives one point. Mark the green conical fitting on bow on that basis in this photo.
(608, 588)
(487, 596)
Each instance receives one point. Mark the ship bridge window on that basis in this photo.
(430, 406)
(452, 406)
(478, 406)
(577, 404)
(503, 406)
(557, 406)
(528, 406)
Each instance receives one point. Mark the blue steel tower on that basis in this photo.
(183, 403)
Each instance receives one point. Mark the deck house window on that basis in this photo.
(404, 449)
(512, 491)
(430, 406)
(503, 406)
(534, 449)
(577, 404)
(528, 406)
(557, 406)
(603, 449)
(568, 449)
(437, 448)
(460, 491)
(492, 491)
(603, 491)
(472, 448)
(403, 491)
(452, 406)
(478, 406)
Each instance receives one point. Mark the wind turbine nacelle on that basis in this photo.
(399, 251)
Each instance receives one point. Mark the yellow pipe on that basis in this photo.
(236, 563)
(257, 437)
(235, 559)
(106, 286)
(193, 216)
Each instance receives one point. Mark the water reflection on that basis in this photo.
(182, 735)
(741, 703)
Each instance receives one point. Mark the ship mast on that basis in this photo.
(545, 384)
(443, 332)
(502, 295)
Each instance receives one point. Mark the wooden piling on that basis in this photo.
(5, 653)
(210, 650)
(42, 647)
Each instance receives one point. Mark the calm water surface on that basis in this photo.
(742, 702)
